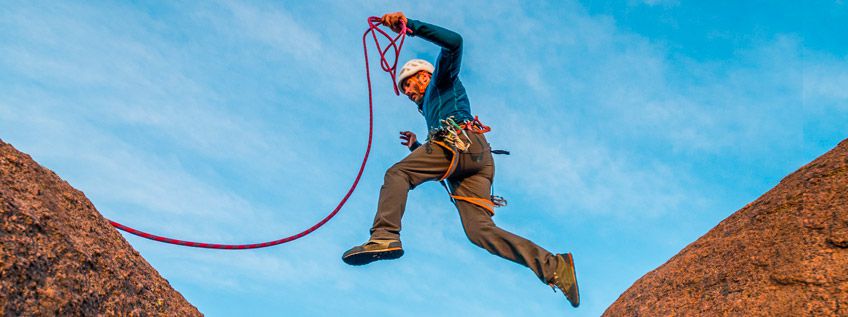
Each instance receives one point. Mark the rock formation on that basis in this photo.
(59, 256)
(785, 254)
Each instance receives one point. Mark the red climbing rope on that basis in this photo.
(373, 28)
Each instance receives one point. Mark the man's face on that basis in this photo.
(414, 86)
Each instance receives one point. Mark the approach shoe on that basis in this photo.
(373, 250)
(565, 279)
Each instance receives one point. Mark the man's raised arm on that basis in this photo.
(450, 58)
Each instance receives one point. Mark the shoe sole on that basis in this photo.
(365, 257)
(576, 293)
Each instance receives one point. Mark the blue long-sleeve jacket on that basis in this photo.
(445, 96)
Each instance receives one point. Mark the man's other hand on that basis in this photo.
(408, 138)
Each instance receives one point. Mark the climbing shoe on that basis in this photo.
(373, 250)
(565, 279)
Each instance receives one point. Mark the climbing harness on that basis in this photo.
(373, 28)
(450, 136)
(453, 137)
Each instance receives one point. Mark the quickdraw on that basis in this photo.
(499, 201)
(476, 126)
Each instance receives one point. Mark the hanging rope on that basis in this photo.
(373, 28)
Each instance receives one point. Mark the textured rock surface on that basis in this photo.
(59, 256)
(785, 254)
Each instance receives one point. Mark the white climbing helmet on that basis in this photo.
(411, 67)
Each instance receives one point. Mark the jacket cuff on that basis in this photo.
(412, 25)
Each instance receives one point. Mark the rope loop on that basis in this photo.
(389, 67)
(395, 43)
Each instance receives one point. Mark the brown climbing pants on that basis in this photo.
(472, 178)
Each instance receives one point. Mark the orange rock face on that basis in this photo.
(59, 256)
(785, 254)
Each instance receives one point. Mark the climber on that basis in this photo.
(457, 151)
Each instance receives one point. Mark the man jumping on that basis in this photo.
(457, 151)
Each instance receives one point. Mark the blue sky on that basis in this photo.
(635, 127)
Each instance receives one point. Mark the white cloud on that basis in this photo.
(825, 78)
